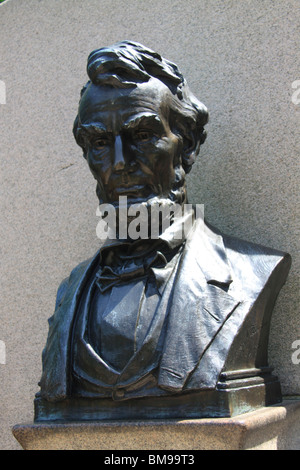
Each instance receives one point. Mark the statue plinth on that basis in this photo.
(271, 428)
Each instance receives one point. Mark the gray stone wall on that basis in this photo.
(239, 57)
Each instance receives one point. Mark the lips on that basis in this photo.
(125, 189)
(131, 190)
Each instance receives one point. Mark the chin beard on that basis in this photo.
(158, 211)
(168, 204)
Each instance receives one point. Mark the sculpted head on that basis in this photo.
(138, 124)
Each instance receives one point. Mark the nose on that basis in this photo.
(119, 158)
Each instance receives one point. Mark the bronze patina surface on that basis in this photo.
(156, 328)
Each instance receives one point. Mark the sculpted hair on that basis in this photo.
(125, 65)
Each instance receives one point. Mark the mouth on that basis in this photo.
(125, 190)
(133, 191)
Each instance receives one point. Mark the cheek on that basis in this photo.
(100, 165)
(163, 160)
(167, 156)
(161, 155)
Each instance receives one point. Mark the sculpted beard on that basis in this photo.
(177, 196)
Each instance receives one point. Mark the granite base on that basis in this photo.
(275, 427)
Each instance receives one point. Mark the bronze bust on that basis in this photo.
(164, 327)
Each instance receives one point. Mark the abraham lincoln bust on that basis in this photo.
(170, 326)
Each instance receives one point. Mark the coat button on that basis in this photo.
(119, 393)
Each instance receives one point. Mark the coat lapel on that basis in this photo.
(195, 304)
(55, 376)
(200, 306)
(148, 355)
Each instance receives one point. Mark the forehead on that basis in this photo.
(114, 106)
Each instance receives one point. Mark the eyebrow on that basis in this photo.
(132, 122)
(147, 118)
(92, 128)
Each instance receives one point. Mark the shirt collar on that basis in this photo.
(172, 238)
(194, 234)
(174, 235)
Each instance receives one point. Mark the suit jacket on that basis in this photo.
(219, 304)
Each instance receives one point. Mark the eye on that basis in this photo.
(143, 135)
(100, 143)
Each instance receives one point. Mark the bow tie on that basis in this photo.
(124, 265)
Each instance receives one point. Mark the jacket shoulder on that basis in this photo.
(254, 264)
(74, 276)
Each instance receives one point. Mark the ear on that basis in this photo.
(190, 148)
(191, 143)
(78, 136)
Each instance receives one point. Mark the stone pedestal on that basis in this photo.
(270, 428)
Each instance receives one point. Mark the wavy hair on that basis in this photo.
(125, 65)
